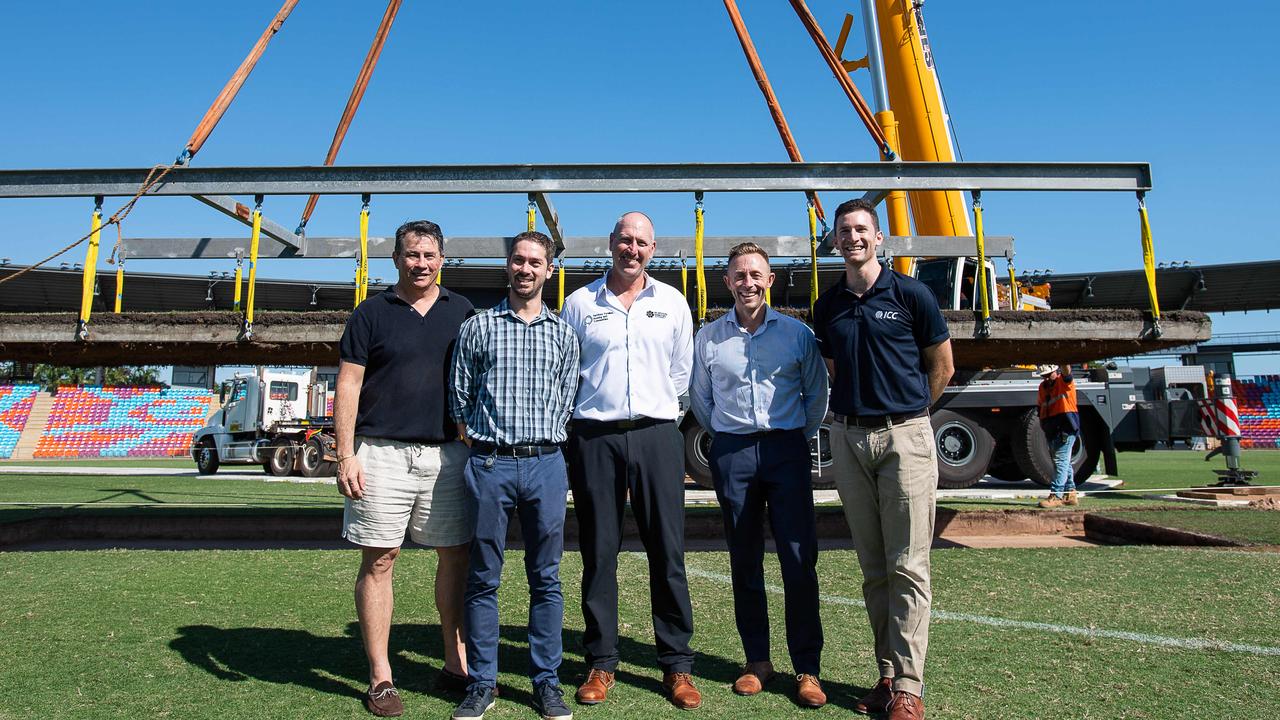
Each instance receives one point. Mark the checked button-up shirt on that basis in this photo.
(513, 382)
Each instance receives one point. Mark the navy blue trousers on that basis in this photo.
(536, 489)
(768, 476)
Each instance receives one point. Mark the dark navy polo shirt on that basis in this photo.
(876, 341)
(406, 358)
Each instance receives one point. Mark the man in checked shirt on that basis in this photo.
(515, 372)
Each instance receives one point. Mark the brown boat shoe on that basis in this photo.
(753, 678)
(596, 688)
(383, 700)
(679, 686)
(876, 701)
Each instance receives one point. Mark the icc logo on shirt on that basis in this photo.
(886, 314)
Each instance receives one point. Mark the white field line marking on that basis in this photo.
(1145, 639)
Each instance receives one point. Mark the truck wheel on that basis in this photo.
(278, 457)
(822, 467)
(206, 456)
(697, 450)
(964, 449)
(312, 462)
(1031, 450)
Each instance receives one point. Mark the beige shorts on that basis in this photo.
(411, 487)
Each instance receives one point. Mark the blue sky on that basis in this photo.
(1185, 86)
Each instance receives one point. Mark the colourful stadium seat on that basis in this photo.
(123, 422)
(16, 402)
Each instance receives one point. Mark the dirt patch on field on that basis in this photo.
(1266, 503)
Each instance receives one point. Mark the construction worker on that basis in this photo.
(1060, 421)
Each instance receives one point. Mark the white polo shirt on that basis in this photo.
(635, 363)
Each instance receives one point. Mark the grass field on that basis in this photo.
(215, 634)
(1258, 527)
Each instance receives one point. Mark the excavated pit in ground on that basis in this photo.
(311, 338)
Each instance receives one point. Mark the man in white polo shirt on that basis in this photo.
(637, 353)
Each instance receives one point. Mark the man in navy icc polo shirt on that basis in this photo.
(888, 349)
(400, 461)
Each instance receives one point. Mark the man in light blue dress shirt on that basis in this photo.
(760, 386)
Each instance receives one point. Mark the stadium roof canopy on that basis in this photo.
(1231, 287)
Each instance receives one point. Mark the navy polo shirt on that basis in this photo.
(876, 341)
(406, 359)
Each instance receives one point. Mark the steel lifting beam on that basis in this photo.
(237, 210)
(654, 177)
(574, 247)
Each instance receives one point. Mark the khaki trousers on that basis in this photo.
(887, 479)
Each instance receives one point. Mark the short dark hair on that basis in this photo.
(534, 236)
(421, 228)
(856, 204)
(746, 248)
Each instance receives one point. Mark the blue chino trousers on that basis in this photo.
(768, 476)
(535, 489)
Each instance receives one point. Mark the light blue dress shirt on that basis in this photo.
(772, 379)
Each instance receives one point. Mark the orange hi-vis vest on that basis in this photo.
(1057, 397)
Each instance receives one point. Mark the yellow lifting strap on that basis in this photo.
(1015, 299)
(1148, 257)
(532, 216)
(239, 279)
(684, 275)
(983, 312)
(119, 284)
(559, 283)
(253, 268)
(362, 262)
(90, 276)
(813, 258)
(699, 259)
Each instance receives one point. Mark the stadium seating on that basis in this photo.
(1258, 402)
(15, 407)
(122, 422)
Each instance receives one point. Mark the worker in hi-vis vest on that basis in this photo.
(1060, 421)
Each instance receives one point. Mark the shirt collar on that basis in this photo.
(504, 308)
(392, 296)
(883, 280)
(770, 316)
(604, 286)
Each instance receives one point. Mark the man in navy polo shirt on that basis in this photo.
(399, 458)
(888, 350)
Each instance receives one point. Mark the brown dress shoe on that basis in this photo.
(680, 687)
(384, 700)
(906, 706)
(754, 676)
(876, 701)
(809, 691)
(596, 688)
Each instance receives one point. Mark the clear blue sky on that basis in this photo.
(1186, 86)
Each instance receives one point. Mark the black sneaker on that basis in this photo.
(548, 700)
(452, 683)
(479, 700)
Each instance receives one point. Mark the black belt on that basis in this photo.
(878, 422)
(761, 434)
(519, 451)
(618, 425)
